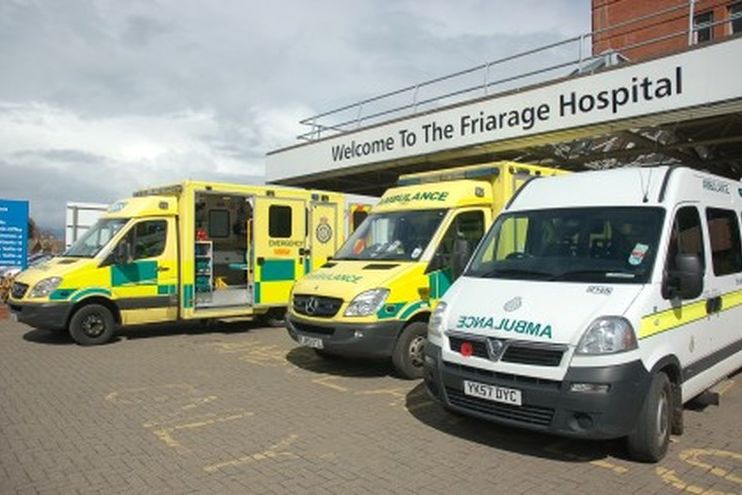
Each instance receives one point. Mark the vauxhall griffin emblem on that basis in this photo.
(513, 304)
(495, 348)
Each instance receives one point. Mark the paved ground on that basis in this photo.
(238, 409)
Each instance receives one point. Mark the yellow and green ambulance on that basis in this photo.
(374, 297)
(195, 250)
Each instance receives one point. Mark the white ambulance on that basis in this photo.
(596, 306)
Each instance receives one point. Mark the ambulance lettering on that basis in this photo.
(420, 196)
(352, 279)
(523, 327)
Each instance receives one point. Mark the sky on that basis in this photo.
(99, 98)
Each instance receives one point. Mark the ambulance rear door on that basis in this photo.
(280, 232)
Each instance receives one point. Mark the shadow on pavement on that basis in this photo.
(47, 337)
(151, 331)
(307, 359)
(508, 438)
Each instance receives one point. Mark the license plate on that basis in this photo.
(493, 393)
(313, 342)
(13, 316)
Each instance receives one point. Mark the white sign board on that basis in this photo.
(697, 77)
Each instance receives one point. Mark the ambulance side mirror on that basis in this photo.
(685, 280)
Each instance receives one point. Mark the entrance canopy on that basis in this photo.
(684, 108)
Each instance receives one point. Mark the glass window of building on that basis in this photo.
(703, 26)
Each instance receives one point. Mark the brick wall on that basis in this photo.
(607, 13)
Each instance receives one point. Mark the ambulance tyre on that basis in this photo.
(650, 439)
(408, 355)
(274, 318)
(92, 324)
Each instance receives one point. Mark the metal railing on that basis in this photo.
(538, 65)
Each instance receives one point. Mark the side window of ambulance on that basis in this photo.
(468, 226)
(686, 236)
(147, 239)
(513, 238)
(726, 254)
(279, 221)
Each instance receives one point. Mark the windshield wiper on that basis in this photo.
(516, 271)
(606, 273)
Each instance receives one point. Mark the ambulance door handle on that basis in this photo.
(163, 268)
(260, 260)
(304, 252)
(713, 305)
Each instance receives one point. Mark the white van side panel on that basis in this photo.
(711, 376)
(705, 344)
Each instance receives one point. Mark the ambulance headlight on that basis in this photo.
(437, 322)
(367, 302)
(45, 287)
(607, 335)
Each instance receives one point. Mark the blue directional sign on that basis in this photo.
(13, 233)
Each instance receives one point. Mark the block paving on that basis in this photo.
(234, 408)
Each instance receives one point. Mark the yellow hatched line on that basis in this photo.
(675, 317)
(731, 300)
(671, 318)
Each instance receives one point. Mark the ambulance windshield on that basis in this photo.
(95, 238)
(594, 245)
(397, 235)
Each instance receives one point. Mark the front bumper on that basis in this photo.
(548, 405)
(348, 339)
(47, 316)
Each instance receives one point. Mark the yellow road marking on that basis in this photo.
(199, 402)
(693, 457)
(398, 394)
(229, 347)
(273, 452)
(723, 387)
(420, 405)
(166, 434)
(326, 381)
(670, 478)
(122, 396)
(609, 465)
(167, 438)
(556, 448)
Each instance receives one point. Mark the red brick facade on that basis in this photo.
(629, 38)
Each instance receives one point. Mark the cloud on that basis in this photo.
(100, 97)
(101, 159)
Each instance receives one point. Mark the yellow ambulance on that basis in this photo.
(195, 250)
(374, 297)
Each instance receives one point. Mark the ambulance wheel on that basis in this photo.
(650, 439)
(92, 324)
(409, 352)
(274, 318)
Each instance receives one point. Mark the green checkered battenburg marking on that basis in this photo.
(439, 282)
(137, 273)
(188, 296)
(278, 270)
(389, 310)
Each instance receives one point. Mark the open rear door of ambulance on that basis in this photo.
(280, 230)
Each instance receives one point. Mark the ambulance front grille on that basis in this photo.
(479, 347)
(534, 356)
(18, 290)
(534, 415)
(325, 307)
(509, 351)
